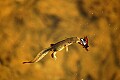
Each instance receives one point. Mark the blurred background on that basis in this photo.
(28, 26)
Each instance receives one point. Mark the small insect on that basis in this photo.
(84, 42)
(54, 48)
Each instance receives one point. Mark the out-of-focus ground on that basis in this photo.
(28, 26)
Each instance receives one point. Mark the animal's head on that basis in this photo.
(84, 42)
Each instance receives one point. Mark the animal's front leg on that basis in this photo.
(54, 55)
(66, 48)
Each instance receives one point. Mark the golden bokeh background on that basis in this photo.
(28, 26)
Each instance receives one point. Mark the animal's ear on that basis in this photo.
(52, 44)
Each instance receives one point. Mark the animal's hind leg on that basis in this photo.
(53, 55)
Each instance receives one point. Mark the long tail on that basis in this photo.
(39, 56)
